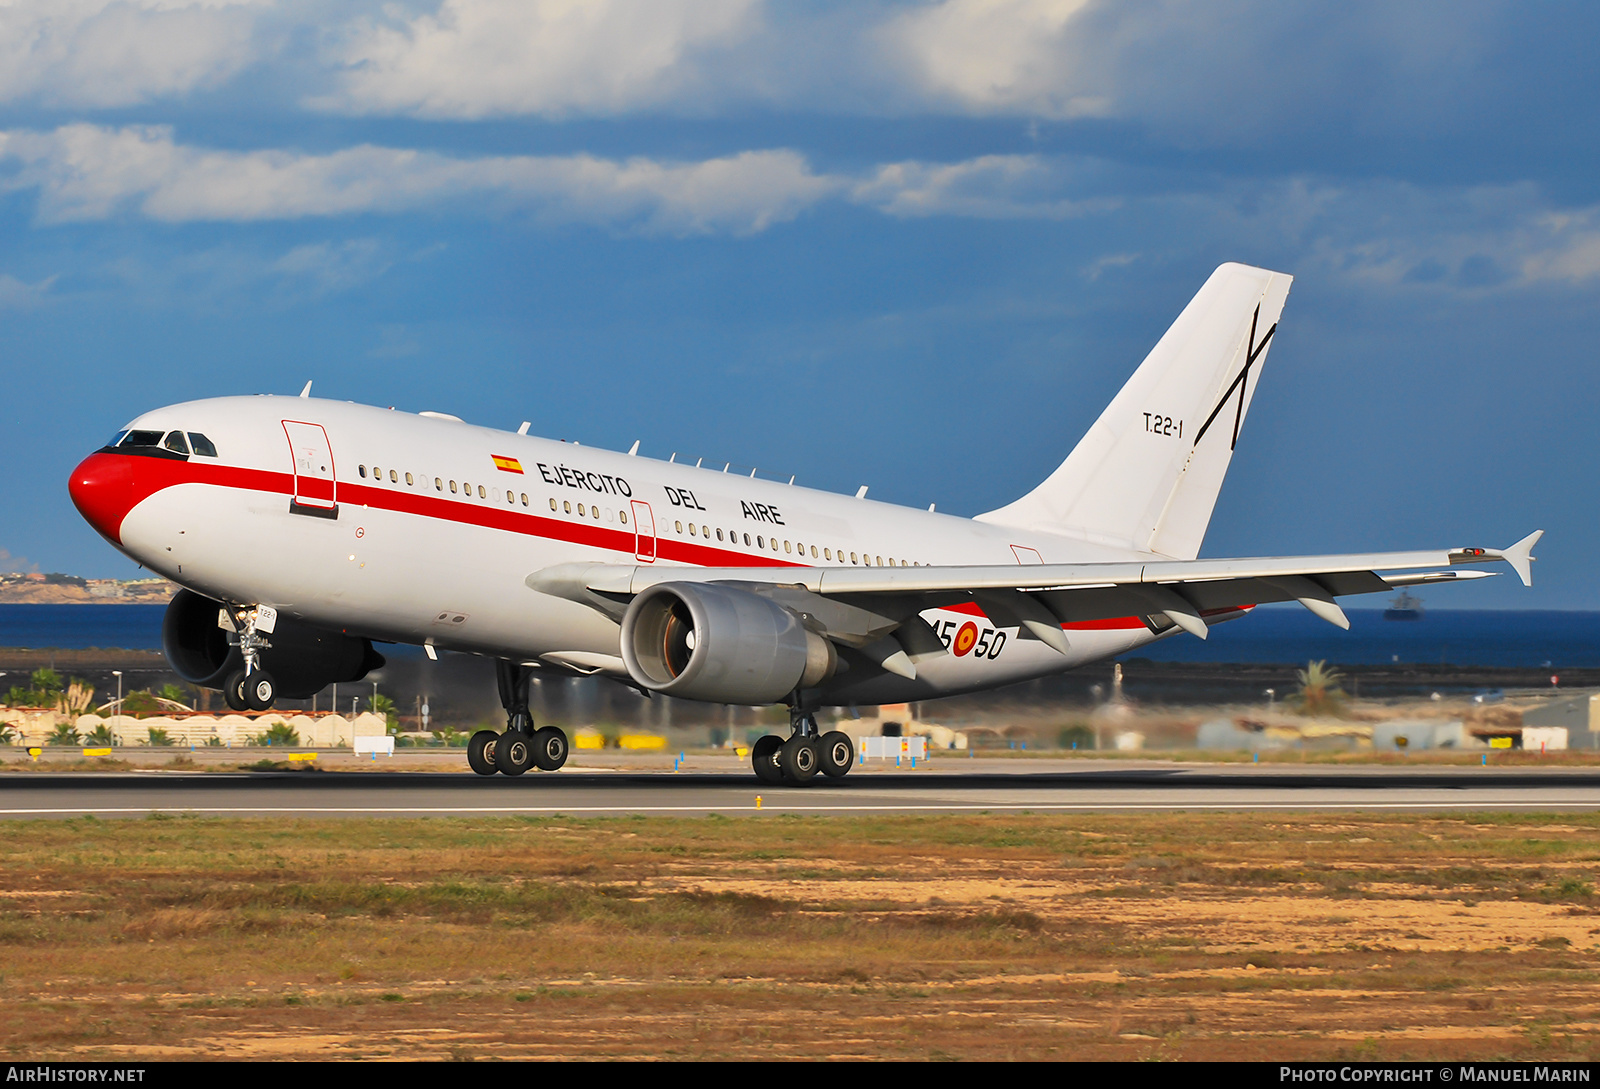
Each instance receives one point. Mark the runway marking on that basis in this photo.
(303, 811)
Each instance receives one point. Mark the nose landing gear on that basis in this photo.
(251, 688)
(796, 761)
(521, 746)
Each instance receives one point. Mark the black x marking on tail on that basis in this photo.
(1240, 383)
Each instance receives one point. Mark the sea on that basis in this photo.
(1268, 635)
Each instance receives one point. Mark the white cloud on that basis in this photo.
(477, 58)
(988, 187)
(18, 294)
(997, 56)
(121, 52)
(87, 172)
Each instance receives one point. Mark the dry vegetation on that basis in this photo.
(1153, 936)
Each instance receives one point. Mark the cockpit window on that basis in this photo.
(118, 437)
(202, 445)
(176, 443)
(142, 438)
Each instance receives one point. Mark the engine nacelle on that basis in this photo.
(702, 641)
(302, 659)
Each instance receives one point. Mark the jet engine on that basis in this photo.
(702, 641)
(302, 659)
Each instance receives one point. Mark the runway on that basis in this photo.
(1042, 787)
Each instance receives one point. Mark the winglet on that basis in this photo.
(1520, 557)
(307, 391)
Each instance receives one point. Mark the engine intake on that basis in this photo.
(703, 641)
(302, 659)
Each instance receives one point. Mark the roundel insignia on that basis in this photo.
(964, 639)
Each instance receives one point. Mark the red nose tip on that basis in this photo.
(102, 490)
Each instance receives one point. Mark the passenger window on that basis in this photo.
(481, 493)
(786, 546)
(524, 499)
(142, 438)
(452, 487)
(362, 469)
(377, 473)
(566, 505)
(827, 553)
(813, 551)
(719, 534)
(747, 540)
(852, 557)
(552, 502)
(394, 477)
(202, 445)
(594, 512)
(760, 543)
(438, 484)
(176, 443)
(678, 526)
(409, 481)
(580, 510)
(511, 498)
(622, 516)
(880, 561)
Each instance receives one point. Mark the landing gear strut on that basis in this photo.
(807, 751)
(251, 688)
(521, 746)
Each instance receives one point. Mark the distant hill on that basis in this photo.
(58, 589)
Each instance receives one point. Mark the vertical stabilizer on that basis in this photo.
(1147, 474)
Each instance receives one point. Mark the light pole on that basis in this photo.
(117, 673)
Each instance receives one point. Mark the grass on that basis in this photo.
(1193, 936)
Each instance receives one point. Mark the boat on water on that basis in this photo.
(1404, 607)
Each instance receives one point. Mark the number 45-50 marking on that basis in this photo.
(965, 637)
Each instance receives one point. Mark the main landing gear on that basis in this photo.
(521, 746)
(797, 761)
(251, 688)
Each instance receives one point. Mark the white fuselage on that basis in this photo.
(413, 532)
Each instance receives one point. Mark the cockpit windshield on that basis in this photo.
(174, 442)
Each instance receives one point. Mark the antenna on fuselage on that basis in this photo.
(861, 492)
(307, 391)
(523, 430)
(633, 451)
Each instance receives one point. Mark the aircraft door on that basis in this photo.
(314, 483)
(644, 532)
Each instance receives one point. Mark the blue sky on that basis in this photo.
(912, 245)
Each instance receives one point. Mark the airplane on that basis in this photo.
(303, 531)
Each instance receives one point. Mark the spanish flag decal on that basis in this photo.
(506, 465)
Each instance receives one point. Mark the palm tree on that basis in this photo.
(1318, 692)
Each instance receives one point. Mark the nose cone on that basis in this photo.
(102, 489)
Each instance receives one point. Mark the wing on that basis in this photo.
(864, 606)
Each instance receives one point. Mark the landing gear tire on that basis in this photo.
(513, 753)
(838, 754)
(764, 759)
(480, 752)
(800, 758)
(233, 692)
(260, 690)
(550, 749)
